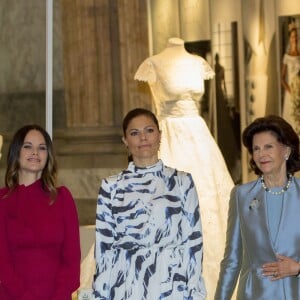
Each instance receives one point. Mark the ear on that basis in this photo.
(124, 141)
(288, 152)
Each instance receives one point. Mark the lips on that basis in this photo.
(264, 162)
(33, 159)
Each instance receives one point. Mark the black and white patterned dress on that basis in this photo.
(148, 236)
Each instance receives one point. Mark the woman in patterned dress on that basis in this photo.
(148, 227)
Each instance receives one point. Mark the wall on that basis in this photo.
(283, 7)
(243, 13)
(223, 15)
(98, 46)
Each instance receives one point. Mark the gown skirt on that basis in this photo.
(187, 144)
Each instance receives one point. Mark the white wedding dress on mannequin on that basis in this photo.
(176, 79)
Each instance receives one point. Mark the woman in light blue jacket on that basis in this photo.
(263, 235)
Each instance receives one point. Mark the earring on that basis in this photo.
(286, 157)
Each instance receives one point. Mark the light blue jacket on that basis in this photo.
(249, 245)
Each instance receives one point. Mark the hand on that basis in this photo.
(283, 267)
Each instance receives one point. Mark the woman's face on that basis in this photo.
(293, 37)
(142, 138)
(268, 154)
(33, 154)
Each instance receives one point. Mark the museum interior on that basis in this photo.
(71, 65)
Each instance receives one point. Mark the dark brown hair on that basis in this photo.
(284, 133)
(136, 113)
(49, 173)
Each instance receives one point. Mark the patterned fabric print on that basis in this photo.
(148, 236)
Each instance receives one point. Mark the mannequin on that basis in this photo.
(176, 79)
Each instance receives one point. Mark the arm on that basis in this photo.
(231, 263)
(283, 78)
(104, 253)
(9, 280)
(192, 241)
(69, 274)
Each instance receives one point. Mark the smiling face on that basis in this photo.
(33, 155)
(270, 155)
(142, 138)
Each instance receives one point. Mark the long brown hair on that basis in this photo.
(49, 174)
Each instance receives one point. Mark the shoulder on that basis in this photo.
(246, 187)
(110, 183)
(3, 192)
(63, 190)
(113, 179)
(173, 172)
(288, 58)
(296, 180)
(64, 195)
(146, 71)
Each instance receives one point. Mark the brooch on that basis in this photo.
(254, 204)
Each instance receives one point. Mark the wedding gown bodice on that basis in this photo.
(177, 108)
(174, 75)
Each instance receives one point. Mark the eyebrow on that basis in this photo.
(31, 143)
(149, 126)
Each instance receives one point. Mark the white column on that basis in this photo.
(49, 63)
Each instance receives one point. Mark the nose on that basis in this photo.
(142, 135)
(34, 151)
(262, 152)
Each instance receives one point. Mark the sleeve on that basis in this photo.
(105, 256)
(208, 72)
(69, 276)
(11, 283)
(231, 263)
(192, 241)
(146, 72)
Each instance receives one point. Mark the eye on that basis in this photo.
(150, 130)
(134, 133)
(43, 147)
(255, 149)
(269, 146)
(27, 146)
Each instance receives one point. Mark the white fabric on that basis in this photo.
(188, 145)
(293, 67)
(176, 79)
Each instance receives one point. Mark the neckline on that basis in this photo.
(143, 170)
(281, 191)
(34, 183)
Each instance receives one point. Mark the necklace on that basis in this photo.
(285, 188)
